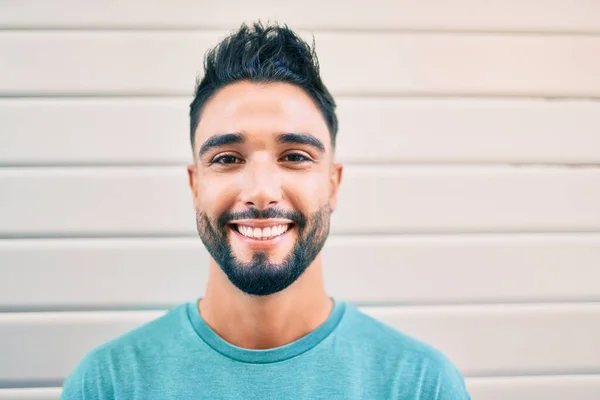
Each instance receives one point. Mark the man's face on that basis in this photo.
(264, 183)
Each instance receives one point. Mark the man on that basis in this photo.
(264, 184)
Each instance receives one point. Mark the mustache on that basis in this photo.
(253, 213)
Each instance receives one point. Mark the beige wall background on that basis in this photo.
(469, 215)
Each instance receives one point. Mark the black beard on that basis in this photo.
(259, 277)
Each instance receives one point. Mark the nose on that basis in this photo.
(261, 186)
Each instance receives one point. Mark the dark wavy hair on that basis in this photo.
(263, 54)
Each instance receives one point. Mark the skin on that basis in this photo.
(262, 173)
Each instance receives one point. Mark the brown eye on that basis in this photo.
(296, 158)
(226, 159)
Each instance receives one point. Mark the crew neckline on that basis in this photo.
(276, 354)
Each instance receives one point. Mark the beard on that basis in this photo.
(260, 277)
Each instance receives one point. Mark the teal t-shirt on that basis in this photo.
(350, 356)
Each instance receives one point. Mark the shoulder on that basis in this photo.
(97, 372)
(369, 328)
(429, 371)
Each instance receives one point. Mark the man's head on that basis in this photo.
(264, 181)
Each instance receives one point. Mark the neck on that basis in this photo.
(264, 322)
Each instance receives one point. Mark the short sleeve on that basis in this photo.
(450, 384)
(73, 387)
(88, 381)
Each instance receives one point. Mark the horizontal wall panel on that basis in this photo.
(154, 63)
(531, 15)
(584, 387)
(143, 273)
(372, 130)
(480, 340)
(50, 393)
(157, 200)
(507, 340)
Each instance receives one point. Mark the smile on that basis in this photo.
(266, 233)
(260, 233)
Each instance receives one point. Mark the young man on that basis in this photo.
(264, 184)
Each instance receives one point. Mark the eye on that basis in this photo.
(226, 159)
(296, 158)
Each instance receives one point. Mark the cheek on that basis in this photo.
(215, 195)
(309, 193)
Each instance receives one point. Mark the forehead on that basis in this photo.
(261, 110)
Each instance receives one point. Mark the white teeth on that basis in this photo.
(265, 233)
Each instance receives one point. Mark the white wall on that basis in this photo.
(478, 123)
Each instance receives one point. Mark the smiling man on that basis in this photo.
(264, 184)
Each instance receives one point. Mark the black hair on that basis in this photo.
(263, 55)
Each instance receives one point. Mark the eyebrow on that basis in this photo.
(301, 138)
(220, 140)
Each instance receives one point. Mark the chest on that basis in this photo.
(327, 382)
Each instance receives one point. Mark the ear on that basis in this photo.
(193, 181)
(335, 180)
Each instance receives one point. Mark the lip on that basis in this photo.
(261, 244)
